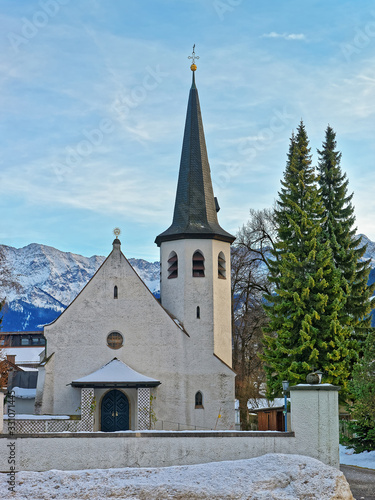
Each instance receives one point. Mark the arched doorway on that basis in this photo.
(114, 412)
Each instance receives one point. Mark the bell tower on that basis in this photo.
(195, 250)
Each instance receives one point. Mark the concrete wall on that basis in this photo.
(315, 420)
(314, 434)
(143, 449)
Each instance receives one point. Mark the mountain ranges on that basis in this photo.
(38, 281)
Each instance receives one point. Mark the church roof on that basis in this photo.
(115, 374)
(195, 212)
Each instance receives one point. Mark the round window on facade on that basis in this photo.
(115, 340)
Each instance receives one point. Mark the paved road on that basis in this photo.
(362, 481)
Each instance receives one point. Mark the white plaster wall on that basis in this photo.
(153, 345)
(181, 295)
(222, 304)
(315, 421)
(44, 399)
(149, 449)
(140, 450)
(315, 434)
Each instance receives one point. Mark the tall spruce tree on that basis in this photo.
(362, 391)
(304, 331)
(339, 229)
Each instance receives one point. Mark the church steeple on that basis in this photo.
(195, 212)
(195, 277)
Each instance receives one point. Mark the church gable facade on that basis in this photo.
(144, 364)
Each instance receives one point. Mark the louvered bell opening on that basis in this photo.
(198, 257)
(221, 267)
(173, 268)
(198, 265)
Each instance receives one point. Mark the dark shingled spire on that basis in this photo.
(195, 209)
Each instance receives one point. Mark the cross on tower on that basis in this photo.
(193, 56)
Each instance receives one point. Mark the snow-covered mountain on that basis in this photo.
(49, 280)
(370, 250)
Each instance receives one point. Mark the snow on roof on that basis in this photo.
(115, 372)
(261, 403)
(267, 403)
(24, 354)
(20, 392)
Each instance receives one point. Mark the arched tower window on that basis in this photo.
(199, 400)
(172, 265)
(115, 292)
(198, 265)
(221, 266)
(198, 312)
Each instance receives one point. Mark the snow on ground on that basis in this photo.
(272, 476)
(365, 459)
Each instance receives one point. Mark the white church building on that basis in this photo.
(139, 363)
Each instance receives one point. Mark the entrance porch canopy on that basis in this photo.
(115, 374)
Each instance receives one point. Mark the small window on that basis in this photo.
(198, 265)
(115, 292)
(25, 341)
(198, 312)
(172, 266)
(221, 266)
(115, 340)
(199, 400)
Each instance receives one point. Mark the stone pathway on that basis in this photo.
(362, 481)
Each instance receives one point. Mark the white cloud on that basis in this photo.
(286, 36)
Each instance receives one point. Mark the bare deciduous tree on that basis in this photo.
(249, 283)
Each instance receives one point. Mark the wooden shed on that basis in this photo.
(270, 419)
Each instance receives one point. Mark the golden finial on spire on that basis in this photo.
(193, 67)
(117, 232)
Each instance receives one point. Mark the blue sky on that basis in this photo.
(94, 94)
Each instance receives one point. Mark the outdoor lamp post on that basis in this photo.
(320, 375)
(285, 389)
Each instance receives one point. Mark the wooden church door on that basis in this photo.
(115, 412)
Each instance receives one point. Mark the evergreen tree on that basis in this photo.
(362, 388)
(304, 331)
(339, 229)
